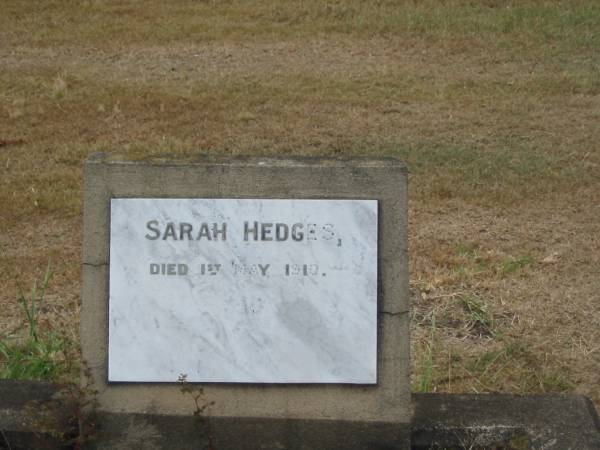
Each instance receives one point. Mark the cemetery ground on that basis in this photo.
(494, 105)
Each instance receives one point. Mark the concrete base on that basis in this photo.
(385, 180)
(37, 415)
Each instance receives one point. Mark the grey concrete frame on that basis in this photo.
(385, 180)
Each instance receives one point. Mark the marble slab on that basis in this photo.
(243, 291)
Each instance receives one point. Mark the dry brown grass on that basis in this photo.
(494, 105)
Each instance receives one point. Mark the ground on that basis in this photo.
(494, 105)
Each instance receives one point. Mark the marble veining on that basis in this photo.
(243, 291)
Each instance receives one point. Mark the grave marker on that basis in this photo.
(278, 286)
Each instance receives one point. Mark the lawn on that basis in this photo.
(493, 104)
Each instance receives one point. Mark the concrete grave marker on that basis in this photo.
(278, 286)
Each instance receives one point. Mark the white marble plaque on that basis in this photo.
(243, 291)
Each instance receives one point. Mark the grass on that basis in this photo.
(493, 105)
(43, 359)
(513, 265)
(42, 354)
(31, 305)
(426, 380)
(479, 319)
(503, 22)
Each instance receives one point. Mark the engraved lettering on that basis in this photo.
(204, 232)
(311, 232)
(170, 231)
(185, 229)
(248, 231)
(156, 231)
(211, 269)
(168, 269)
(296, 234)
(264, 268)
(282, 232)
(302, 270)
(220, 232)
(265, 232)
(328, 231)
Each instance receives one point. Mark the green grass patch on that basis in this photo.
(512, 265)
(482, 176)
(42, 354)
(468, 249)
(43, 359)
(105, 22)
(520, 369)
(480, 319)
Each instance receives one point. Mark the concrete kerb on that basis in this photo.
(37, 415)
(559, 422)
(440, 421)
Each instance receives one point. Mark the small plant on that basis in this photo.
(472, 262)
(480, 319)
(30, 305)
(203, 423)
(461, 272)
(487, 366)
(467, 249)
(42, 355)
(34, 360)
(59, 86)
(196, 393)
